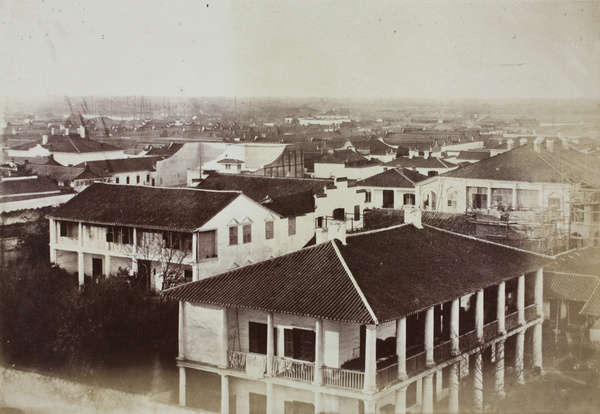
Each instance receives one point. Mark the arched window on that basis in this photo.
(452, 198)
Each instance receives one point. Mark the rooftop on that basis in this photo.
(393, 178)
(419, 162)
(68, 143)
(376, 277)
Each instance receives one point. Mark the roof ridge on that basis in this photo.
(404, 175)
(466, 236)
(354, 282)
(556, 256)
(274, 178)
(172, 188)
(562, 174)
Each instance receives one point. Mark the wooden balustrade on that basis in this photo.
(511, 321)
(415, 363)
(442, 351)
(293, 369)
(468, 341)
(387, 375)
(344, 378)
(490, 331)
(530, 313)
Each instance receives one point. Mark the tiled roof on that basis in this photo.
(376, 277)
(70, 143)
(569, 286)
(582, 261)
(27, 185)
(524, 164)
(286, 196)
(418, 162)
(346, 156)
(592, 306)
(473, 155)
(55, 172)
(169, 208)
(165, 151)
(393, 178)
(101, 167)
(230, 161)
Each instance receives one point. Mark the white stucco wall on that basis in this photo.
(202, 333)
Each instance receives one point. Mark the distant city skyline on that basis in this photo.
(385, 49)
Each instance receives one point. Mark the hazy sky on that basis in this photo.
(440, 49)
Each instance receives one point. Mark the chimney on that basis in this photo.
(510, 144)
(550, 145)
(537, 144)
(81, 131)
(52, 131)
(426, 154)
(413, 216)
(565, 143)
(44, 139)
(66, 131)
(523, 141)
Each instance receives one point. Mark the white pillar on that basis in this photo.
(181, 332)
(270, 399)
(537, 345)
(318, 403)
(500, 312)
(52, 230)
(400, 403)
(499, 377)
(370, 359)
(453, 389)
(401, 348)
(479, 316)
(514, 197)
(539, 293)
(427, 394)
(489, 197)
(429, 360)
(478, 383)
(521, 299)
(224, 394)
(519, 351)
(225, 339)
(318, 380)
(107, 265)
(454, 326)
(370, 406)
(182, 386)
(194, 247)
(134, 264)
(195, 272)
(80, 234)
(80, 268)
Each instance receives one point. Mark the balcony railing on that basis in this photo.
(468, 340)
(387, 375)
(530, 313)
(293, 369)
(415, 363)
(254, 364)
(490, 331)
(511, 321)
(236, 360)
(442, 351)
(344, 378)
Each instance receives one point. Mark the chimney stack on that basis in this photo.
(426, 154)
(537, 144)
(81, 131)
(550, 145)
(510, 144)
(565, 143)
(44, 139)
(52, 131)
(66, 131)
(523, 141)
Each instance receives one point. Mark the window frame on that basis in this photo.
(270, 229)
(233, 235)
(291, 226)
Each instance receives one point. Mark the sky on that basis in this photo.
(371, 49)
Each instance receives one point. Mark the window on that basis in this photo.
(176, 240)
(228, 166)
(320, 222)
(188, 276)
(257, 403)
(432, 173)
(127, 180)
(148, 178)
(121, 235)
(207, 244)
(452, 196)
(367, 196)
(257, 337)
(339, 214)
(298, 407)
(247, 230)
(68, 229)
(477, 197)
(409, 199)
(502, 198)
(291, 226)
(299, 344)
(527, 199)
(554, 203)
(137, 179)
(388, 199)
(117, 180)
(233, 236)
(356, 213)
(595, 213)
(269, 229)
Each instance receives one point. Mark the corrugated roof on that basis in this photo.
(285, 196)
(170, 208)
(399, 270)
(393, 178)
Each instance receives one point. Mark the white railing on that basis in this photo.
(236, 360)
(293, 369)
(387, 375)
(344, 378)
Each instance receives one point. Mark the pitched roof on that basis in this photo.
(28, 185)
(473, 155)
(582, 261)
(524, 164)
(101, 167)
(286, 196)
(166, 208)
(393, 178)
(376, 277)
(55, 172)
(418, 162)
(69, 143)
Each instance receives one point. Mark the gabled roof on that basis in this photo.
(582, 261)
(152, 207)
(473, 155)
(418, 162)
(376, 277)
(56, 172)
(524, 164)
(393, 178)
(101, 167)
(69, 143)
(26, 185)
(286, 196)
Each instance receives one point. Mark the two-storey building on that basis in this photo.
(401, 319)
(153, 231)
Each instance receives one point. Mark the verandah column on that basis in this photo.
(53, 241)
(521, 300)
(429, 359)
(225, 340)
(427, 406)
(182, 386)
(400, 403)
(318, 380)
(479, 318)
(537, 328)
(224, 394)
(453, 389)
(499, 374)
(270, 343)
(478, 383)
(454, 326)
(500, 312)
(370, 359)
(80, 256)
(401, 348)
(519, 351)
